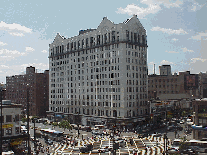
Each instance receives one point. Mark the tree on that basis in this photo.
(183, 144)
(46, 123)
(54, 124)
(169, 117)
(24, 119)
(65, 124)
(184, 114)
(33, 117)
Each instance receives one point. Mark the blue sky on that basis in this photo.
(176, 30)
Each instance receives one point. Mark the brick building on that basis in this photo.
(177, 86)
(199, 119)
(203, 85)
(3, 87)
(32, 87)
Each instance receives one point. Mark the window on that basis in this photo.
(9, 131)
(17, 130)
(8, 118)
(2, 119)
(16, 118)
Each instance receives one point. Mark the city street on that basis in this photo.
(141, 143)
(149, 144)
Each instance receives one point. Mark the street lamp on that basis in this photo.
(114, 145)
(35, 145)
(165, 143)
(78, 124)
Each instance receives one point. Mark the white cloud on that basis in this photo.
(6, 52)
(139, 11)
(199, 36)
(14, 29)
(194, 6)
(169, 31)
(194, 60)
(171, 52)
(7, 55)
(153, 6)
(44, 51)
(16, 34)
(186, 50)
(2, 43)
(168, 3)
(3, 66)
(39, 66)
(174, 39)
(29, 49)
(165, 62)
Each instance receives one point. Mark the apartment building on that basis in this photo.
(203, 85)
(101, 73)
(31, 87)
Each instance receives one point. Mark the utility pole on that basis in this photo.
(35, 145)
(78, 125)
(1, 118)
(114, 149)
(29, 151)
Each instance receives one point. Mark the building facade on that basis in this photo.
(178, 86)
(11, 113)
(199, 119)
(203, 85)
(3, 88)
(101, 72)
(165, 70)
(31, 87)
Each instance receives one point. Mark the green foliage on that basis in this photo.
(65, 124)
(184, 113)
(169, 116)
(34, 117)
(24, 119)
(183, 144)
(55, 124)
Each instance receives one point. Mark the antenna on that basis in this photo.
(154, 68)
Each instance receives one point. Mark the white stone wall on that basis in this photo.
(62, 97)
(13, 112)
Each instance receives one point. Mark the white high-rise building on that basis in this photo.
(101, 72)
